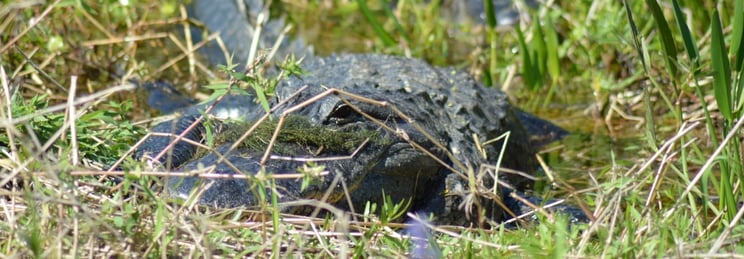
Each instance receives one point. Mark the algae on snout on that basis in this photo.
(298, 136)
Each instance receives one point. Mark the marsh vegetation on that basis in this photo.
(651, 90)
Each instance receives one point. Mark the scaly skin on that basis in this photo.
(446, 104)
(449, 106)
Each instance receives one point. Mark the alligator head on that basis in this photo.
(376, 124)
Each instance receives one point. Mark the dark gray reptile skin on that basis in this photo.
(448, 105)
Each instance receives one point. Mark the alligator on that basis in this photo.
(375, 128)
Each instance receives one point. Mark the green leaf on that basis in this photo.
(636, 35)
(667, 40)
(391, 16)
(689, 41)
(241, 76)
(737, 33)
(261, 95)
(229, 67)
(490, 14)
(551, 46)
(215, 95)
(386, 38)
(209, 132)
(527, 71)
(721, 69)
(540, 54)
(240, 91)
(217, 86)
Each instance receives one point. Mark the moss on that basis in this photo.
(298, 136)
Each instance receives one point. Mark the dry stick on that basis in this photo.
(116, 40)
(33, 24)
(669, 154)
(71, 116)
(189, 49)
(280, 123)
(278, 42)
(223, 48)
(582, 205)
(157, 134)
(189, 42)
(20, 67)
(21, 165)
(135, 146)
(41, 71)
(257, 35)
(403, 135)
(9, 113)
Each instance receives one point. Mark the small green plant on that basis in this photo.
(253, 78)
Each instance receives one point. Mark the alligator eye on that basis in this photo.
(343, 113)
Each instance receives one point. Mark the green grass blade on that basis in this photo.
(551, 46)
(737, 51)
(529, 73)
(553, 61)
(391, 16)
(386, 38)
(694, 55)
(636, 35)
(667, 41)
(739, 86)
(721, 68)
(737, 44)
(540, 54)
(490, 76)
(261, 95)
(490, 14)
(689, 41)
